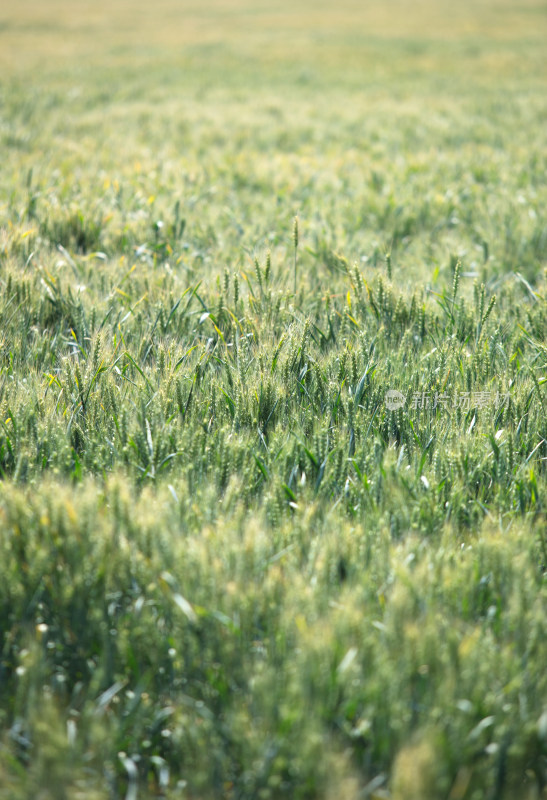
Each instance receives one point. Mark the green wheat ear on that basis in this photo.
(388, 265)
(456, 282)
(258, 275)
(236, 290)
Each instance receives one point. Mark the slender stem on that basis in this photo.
(295, 240)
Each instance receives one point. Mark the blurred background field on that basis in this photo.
(413, 126)
(227, 568)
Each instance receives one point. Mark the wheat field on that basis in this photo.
(273, 365)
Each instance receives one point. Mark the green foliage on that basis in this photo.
(230, 566)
